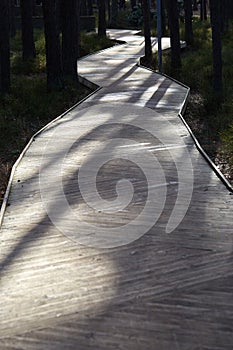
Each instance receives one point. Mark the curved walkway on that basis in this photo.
(166, 280)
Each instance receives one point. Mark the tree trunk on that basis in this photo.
(113, 13)
(109, 4)
(83, 8)
(101, 18)
(225, 15)
(70, 37)
(163, 18)
(12, 19)
(173, 18)
(4, 47)
(89, 7)
(34, 7)
(147, 31)
(203, 10)
(52, 41)
(215, 16)
(188, 21)
(27, 30)
(230, 8)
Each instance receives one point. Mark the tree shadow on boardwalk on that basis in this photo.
(162, 291)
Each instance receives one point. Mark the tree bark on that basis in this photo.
(225, 15)
(89, 7)
(12, 19)
(188, 21)
(215, 16)
(27, 29)
(109, 4)
(203, 10)
(83, 8)
(173, 18)
(70, 37)
(147, 29)
(101, 18)
(4, 47)
(113, 13)
(52, 42)
(230, 8)
(163, 17)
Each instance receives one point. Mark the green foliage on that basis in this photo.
(122, 19)
(135, 17)
(33, 66)
(90, 43)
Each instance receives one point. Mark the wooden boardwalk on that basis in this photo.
(161, 291)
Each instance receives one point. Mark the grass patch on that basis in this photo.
(90, 43)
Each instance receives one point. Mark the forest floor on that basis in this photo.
(215, 148)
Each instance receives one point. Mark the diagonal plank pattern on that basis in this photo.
(160, 291)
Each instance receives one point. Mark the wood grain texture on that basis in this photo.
(160, 292)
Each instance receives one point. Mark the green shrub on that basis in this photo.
(135, 17)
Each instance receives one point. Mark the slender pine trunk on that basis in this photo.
(188, 21)
(147, 29)
(27, 30)
(215, 15)
(70, 37)
(52, 43)
(101, 18)
(173, 18)
(4, 47)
